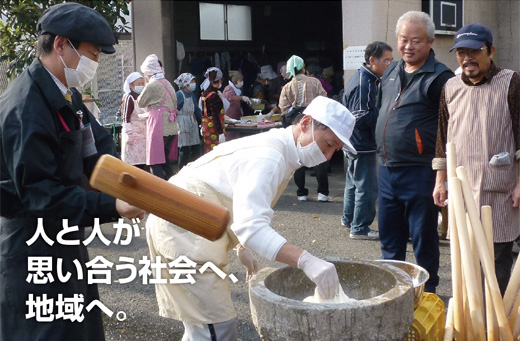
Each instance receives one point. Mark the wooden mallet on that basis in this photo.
(155, 195)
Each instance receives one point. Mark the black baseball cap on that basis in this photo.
(79, 23)
(472, 36)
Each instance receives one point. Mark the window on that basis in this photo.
(447, 15)
(224, 22)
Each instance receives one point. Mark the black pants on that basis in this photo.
(321, 176)
(164, 170)
(187, 154)
(503, 264)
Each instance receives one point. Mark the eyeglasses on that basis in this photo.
(470, 53)
(385, 61)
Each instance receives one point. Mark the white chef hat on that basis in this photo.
(335, 116)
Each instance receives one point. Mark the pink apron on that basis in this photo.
(154, 133)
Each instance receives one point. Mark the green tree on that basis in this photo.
(18, 27)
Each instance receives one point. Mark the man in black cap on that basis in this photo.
(49, 145)
(480, 113)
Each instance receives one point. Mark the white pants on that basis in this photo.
(224, 331)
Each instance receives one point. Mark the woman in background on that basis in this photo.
(233, 93)
(188, 116)
(212, 110)
(133, 137)
(159, 97)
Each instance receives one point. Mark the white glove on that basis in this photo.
(256, 101)
(248, 261)
(221, 138)
(268, 116)
(320, 272)
(246, 99)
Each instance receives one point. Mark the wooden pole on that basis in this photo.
(475, 302)
(491, 318)
(448, 330)
(516, 328)
(513, 318)
(483, 251)
(512, 288)
(476, 263)
(456, 269)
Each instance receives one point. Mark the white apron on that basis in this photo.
(209, 299)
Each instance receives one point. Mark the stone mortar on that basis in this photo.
(384, 310)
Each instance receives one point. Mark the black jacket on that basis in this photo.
(361, 94)
(406, 129)
(44, 175)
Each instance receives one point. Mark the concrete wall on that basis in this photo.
(153, 32)
(365, 21)
(508, 34)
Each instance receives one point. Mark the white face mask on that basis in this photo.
(138, 89)
(310, 155)
(84, 72)
(240, 85)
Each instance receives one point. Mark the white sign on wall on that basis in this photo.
(353, 57)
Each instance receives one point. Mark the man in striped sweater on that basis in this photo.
(479, 112)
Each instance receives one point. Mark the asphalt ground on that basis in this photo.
(312, 225)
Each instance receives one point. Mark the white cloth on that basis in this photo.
(130, 79)
(184, 80)
(225, 102)
(151, 65)
(251, 177)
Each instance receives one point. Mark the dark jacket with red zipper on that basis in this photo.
(406, 128)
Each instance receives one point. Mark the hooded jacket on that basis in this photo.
(361, 95)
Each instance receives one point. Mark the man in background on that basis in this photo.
(362, 99)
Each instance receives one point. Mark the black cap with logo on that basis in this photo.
(78, 22)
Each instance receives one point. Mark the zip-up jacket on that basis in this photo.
(406, 128)
(361, 99)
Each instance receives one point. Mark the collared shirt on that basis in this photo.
(64, 90)
(250, 177)
(513, 101)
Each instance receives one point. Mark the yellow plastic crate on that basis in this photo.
(429, 320)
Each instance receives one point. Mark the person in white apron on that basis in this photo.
(133, 135)
(247, 176)
(187, 117)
